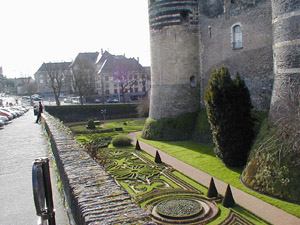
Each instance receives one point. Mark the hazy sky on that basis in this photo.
(37, 31)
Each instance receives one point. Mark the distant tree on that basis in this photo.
(30, 86)
(2, 82)
(144, 79)
(228, 107)
(57, 75)
(123, 77)
(84, 72)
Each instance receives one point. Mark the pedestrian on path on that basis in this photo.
(41, 108)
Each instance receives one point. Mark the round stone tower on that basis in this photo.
(286, 48)
(174, 57)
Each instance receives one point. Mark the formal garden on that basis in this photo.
(228, 140)
(157, 187)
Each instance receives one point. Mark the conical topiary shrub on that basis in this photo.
(157, 158)
(137, 145)
(228, 200)
(212, 190)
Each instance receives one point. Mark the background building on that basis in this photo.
(42, 78)
(119, 76)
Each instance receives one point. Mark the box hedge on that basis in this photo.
(74, 113)
(170, 129)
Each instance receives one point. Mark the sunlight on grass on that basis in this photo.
(204, 159)
(127, 125)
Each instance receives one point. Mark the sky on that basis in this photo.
(37, 31)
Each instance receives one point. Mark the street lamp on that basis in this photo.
(103, 111)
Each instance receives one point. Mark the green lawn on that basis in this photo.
(132, 125)
(203, 158)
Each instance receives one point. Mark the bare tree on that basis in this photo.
(84, 72)
(123, 77)
(144, 79)
(57, 74)
(30, 86)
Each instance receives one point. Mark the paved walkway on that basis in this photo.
(255, 205)
(21, 142)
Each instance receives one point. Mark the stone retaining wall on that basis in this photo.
(92, 194)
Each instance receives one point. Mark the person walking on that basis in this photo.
(40, 111)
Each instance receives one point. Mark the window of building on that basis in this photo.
(107, 92)
(116, 91)
(192, 81)
(184, 17)
(106, 78)
(136, 90)
(237, 36)
(41, 81)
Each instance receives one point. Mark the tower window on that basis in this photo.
(237, 36)
(192, 81)
(184, 16)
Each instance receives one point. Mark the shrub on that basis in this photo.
(170, 129)
(228, 200)
(229, 114)
(274, 167)
(91, 124)
(75, 113)
(121, 140)
(212, 190)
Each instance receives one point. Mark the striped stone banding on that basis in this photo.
(286, 16)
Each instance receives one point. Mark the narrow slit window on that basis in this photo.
(192, 81)
(184, 15)
(237, 37)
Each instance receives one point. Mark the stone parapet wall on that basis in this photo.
(92, 194)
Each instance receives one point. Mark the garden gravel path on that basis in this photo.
(264, 210)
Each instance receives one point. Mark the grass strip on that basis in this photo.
(204, 159)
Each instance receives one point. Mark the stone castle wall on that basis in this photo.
(254, 61)
(286, 28)
(174, 57)
(190, 38)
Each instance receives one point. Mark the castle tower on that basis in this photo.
(286, 48)
(174, 57)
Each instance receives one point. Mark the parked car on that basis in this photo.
(112, 100)
(7, 114)
(4, 119)
(67, 100)
(14, 113)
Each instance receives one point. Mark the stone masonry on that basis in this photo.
(92, 194)
(189, 38)
(286, 46)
